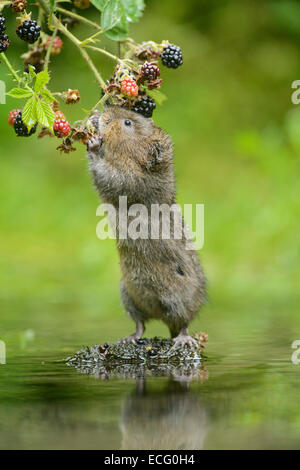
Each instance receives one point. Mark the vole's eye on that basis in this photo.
(128, 122)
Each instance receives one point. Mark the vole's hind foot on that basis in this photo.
(184, 339)
(94, 143)
(129, 339)
(140, 328)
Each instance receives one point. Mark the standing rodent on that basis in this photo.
(129, 156)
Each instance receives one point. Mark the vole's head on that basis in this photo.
(132, 142)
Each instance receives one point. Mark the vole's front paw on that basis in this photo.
(94, 143)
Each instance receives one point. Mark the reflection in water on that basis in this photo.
(172, 418)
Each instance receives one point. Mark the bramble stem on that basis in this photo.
(78, 17)
(103, 51)
(47, 58)
(10, 68)
(75, 41)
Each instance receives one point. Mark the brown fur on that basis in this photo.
(161, 279)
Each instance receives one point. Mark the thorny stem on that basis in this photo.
(10, 68)
(77, 43)
(99, 103)
(108, 54)
(47, 58)
(78, 17)
(103, 51)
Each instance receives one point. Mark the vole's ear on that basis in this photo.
(155, 156)
(161, 149)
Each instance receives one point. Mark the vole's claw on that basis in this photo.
(94, 143)
(182, 340)
(129, 339)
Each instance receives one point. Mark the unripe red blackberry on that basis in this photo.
(29, 31)
(172, 56)
(21, 128)
(2, 24)
(61, 127)
(150, 71)
(56, 45)
(129, 87)
(12, 116)
(4, 42)
(60, 115)
(144, 106)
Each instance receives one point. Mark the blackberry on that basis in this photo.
(61, 127)
(150, 71)
(29, 31)
(129, 87)
(172, 56)
(12, 116)
(4, 42)
(2, 24)
(144, 106)
(21, 128)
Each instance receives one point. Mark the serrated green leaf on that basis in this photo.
(157, 95)
(45, 114)
(47, 96)
(133, 9)
(20, 93)
(29, 112)
(99, 4)
(42, 79)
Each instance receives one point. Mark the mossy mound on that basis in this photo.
(153, 356)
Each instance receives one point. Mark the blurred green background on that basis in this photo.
(237, 142)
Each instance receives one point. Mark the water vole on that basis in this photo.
(130, 156)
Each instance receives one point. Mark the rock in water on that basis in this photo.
(146, 357)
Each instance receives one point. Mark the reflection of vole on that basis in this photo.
(173, 418)
(161, 279)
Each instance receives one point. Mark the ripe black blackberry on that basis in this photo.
(2, 24)
(4, 42)
(21, 128)
(29, 31)
(144, 106)
(150, 71)
(172, 56)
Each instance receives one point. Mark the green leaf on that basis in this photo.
(133, 9)
(157, 95)
(42, 79)
(45, 114)
(20, 93)
(29, 112)
(99, 4)
(47, 96)
(113, 20)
